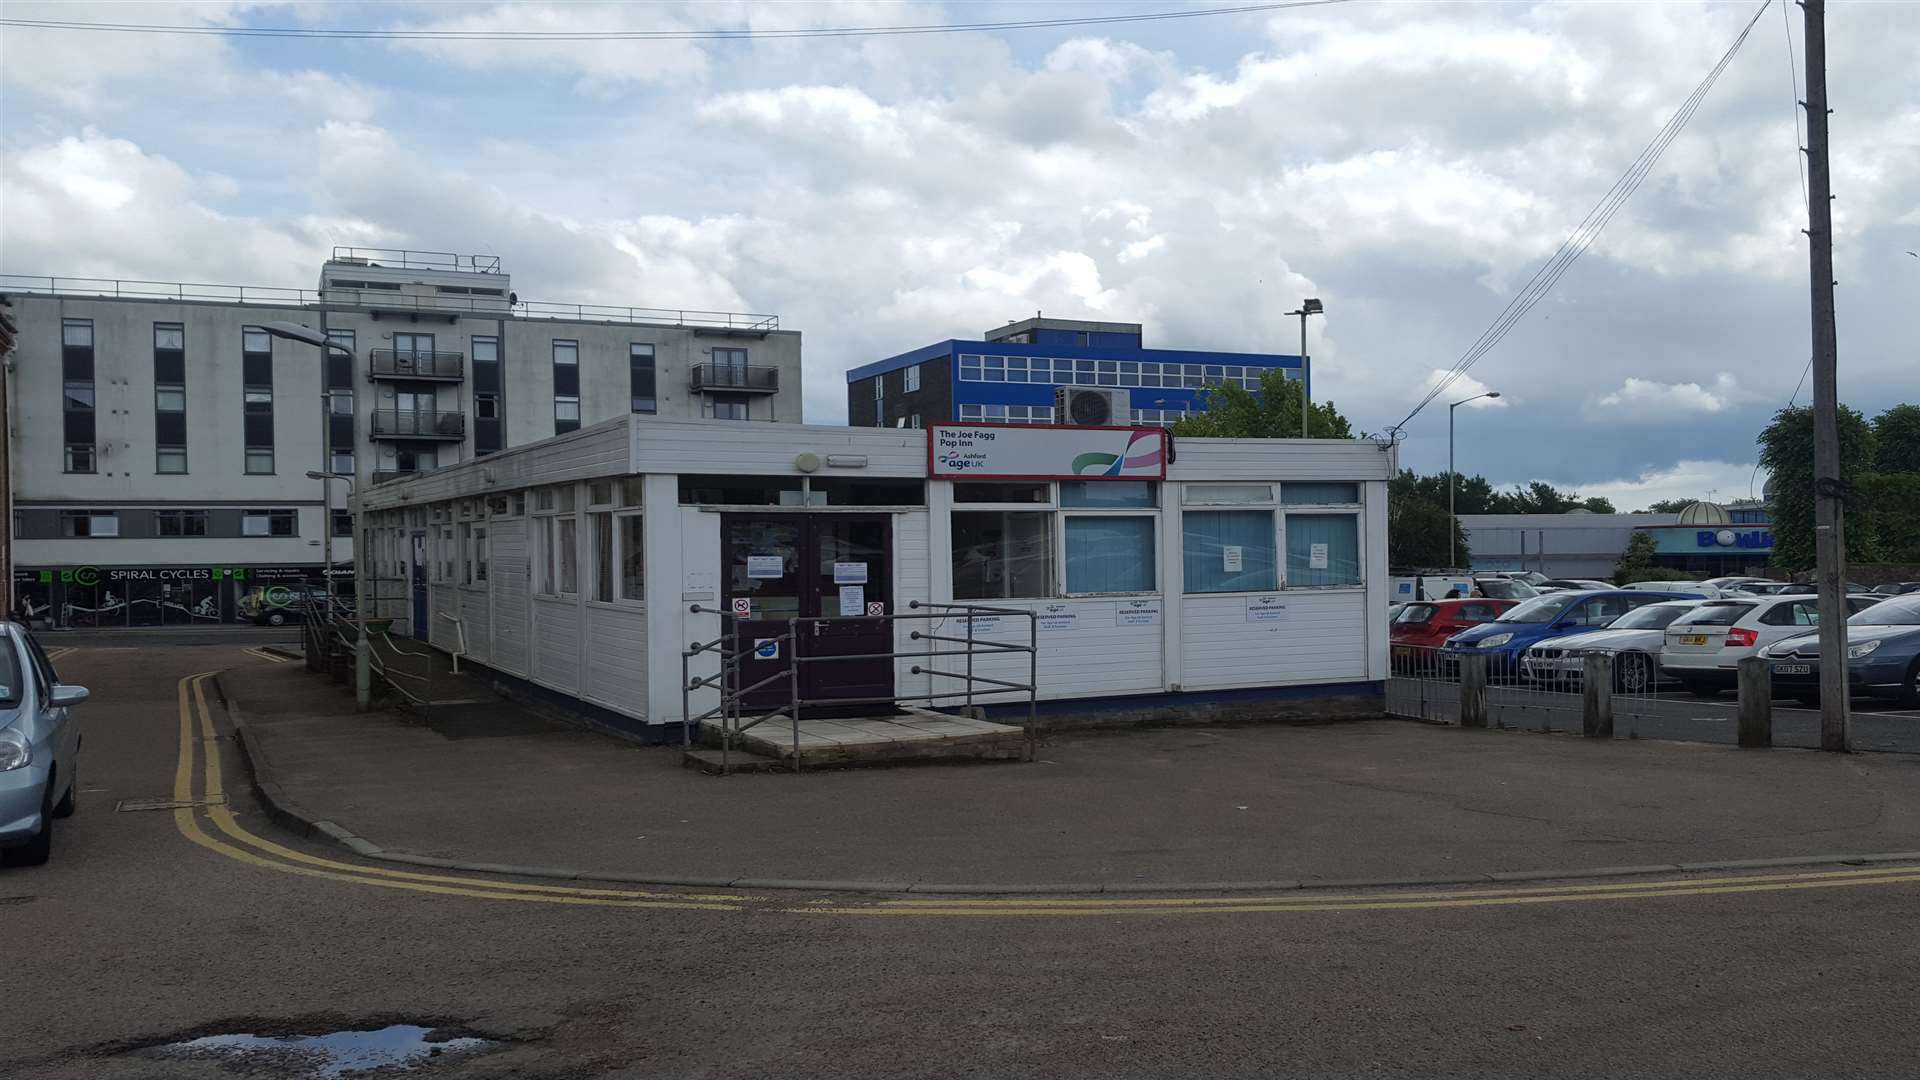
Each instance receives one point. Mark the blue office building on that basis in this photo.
(1013, 373)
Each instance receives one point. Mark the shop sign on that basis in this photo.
(1045, 452)
(1751, 539)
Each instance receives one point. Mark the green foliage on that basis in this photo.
(1636, 563)
(1273, 412)
(1889, 512)
(1417, 522)
(1786, 451)
(1667, 506)
(1896, 440)
(1598, 504)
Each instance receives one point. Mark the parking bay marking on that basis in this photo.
(287, 860)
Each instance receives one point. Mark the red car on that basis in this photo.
(1425, 625)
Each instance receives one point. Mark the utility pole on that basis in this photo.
(1829, 547)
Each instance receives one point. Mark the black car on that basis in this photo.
(1883, 655)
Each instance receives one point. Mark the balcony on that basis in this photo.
(735, 380)
(382, 476)
(417, 365)
(419, 424)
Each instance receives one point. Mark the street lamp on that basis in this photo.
(1309, 306)
(1453, 520)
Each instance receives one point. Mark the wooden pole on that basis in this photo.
(1756, 702)
(1596, 705)
(1473, 691)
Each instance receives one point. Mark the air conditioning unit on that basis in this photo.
(1091, 406)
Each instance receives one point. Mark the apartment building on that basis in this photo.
(162, 435)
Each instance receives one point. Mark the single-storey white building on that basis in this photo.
(1163, 571)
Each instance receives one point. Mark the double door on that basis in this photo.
(835, 570)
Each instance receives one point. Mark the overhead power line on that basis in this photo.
(1584, 234)
(745, 34)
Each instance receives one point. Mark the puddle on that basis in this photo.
(328, 1056)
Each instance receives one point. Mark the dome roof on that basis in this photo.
(1705, 513)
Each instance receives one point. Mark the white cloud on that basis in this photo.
(1463, 388)
(1646, 397)
(1722, 481)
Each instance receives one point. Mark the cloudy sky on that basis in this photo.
(1410, 164)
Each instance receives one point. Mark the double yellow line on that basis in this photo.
(259, 653)
(235, 842)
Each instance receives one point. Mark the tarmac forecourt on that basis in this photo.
(231, 839)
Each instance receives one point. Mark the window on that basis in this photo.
(913, 378)
(169, 398)
(566, 555)
(1109, 554)
(256, 375)
(486, 406)
(1229, 551)
(1320, 494)
(269, 523)
(1322, 549)
(342, 523)
(1002, 554)
(79, 459)
(880, 386)
(982, 492)
(259, 461)
(601, 528)
(566, 386)
(633, 558)
(76, 333)
(79, 523)
(77, 394)
(914, 421)
(566, 414)
(741, 491)
(864, 491)
(733, 364)
(180, 522)
(1131, 494)
(477, 558)
(641, 378)
(170, 459)
(728, 407)
(1008, 414)
(1226, 494)
(342, 461)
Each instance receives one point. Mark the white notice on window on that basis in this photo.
(849, 573)
(1231, 557)
(853, 600)
(1317, 557)
(771, 567)
(1138, 613)
(1268, 608)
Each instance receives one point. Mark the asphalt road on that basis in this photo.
(156, 925)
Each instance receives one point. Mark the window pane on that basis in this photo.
(740, 490)
(1229, 551)
(259, 461)
(633, 558)
(170, 459)
(566, 352)
(565, 551)
(1000, 493)
(255, 341)
(170, 399)
(1109, 554)
(106, 525)
(603, 557)
(169, 336)
(1000, 555)
(566, 409)
(1319, 494)
(1226, 494)
(77, 332)
(253, 524)
(1323, 549)
(1109, 493)
(860, 491)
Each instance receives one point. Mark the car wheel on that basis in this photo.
(1634, 674)
(1910, 690)
(71, 800)
(38, 850)
(276, 619)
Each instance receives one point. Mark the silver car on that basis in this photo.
(39, 748)
(1633, 640)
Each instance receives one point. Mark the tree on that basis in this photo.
(1273, 412)
(1896, 440)
(1890, 513)
(1598, 504)
(1417, 523)
(1538, 497)
(1667, 506)
(1636, 563)
(1786, 451)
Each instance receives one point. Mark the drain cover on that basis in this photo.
(128, 806)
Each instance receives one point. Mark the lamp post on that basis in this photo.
(362, 678)
(1453, 520)
(1309, 306)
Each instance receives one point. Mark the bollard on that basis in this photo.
(1473, 691)
(1596, 706)
(1756, 702)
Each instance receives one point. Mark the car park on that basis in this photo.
(39, 748)
(1883, 656)
(1424, 626)
(1704, 647)
(1633, 640)
(1507, 638)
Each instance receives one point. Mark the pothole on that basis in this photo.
(330, 1055)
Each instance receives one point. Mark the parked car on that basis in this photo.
(1633, 640)
(1739, 584)
(1572, 585)
(1505, 639)
(39, 748)
(1696, 588)
(1502, 587)
(1883, 656)
(1897, 588)
(1424, 626)
(1807, 588)
(277, 605)
(1704, 648)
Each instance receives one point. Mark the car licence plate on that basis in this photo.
(1693, 639)
(1793, 669)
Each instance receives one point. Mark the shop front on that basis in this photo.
(77, 597)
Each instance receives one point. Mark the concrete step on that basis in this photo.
(710, 761)
(908, 734)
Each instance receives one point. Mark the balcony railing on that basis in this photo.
(381, 476)
(405, 259)
(416, 364)
(747, 380)
(418, 424)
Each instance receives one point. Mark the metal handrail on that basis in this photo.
(416, 364)
(731, 656)
(732, 377)
(408, 259)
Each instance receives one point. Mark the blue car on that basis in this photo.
(1883, 656)
(1506, 639)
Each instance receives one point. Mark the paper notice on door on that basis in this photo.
(767, 567)
(1231, 558)
(853, 600)
(849, 573)
(1317, 557)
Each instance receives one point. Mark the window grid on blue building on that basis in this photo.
(1008, 414)
(1067, 371)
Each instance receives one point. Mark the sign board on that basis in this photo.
(1045, 452)
(876, 608)
(743, 607)
(766, 648)
(766, 567)
(853, 599)
(1138, 613)
(1057, 617)
(1269, 608)
(849, 573)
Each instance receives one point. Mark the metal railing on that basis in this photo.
(415, 364)
(407, 259)
(764, 380)
(419, 424)
(385, 300)
(381, 476)
(732, 711)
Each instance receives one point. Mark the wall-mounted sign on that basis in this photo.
(1269, 608)
(766, 648)
(1057, 617)
(742, 607)
(1138, 613)
(1045, 452)
(1753, 538)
